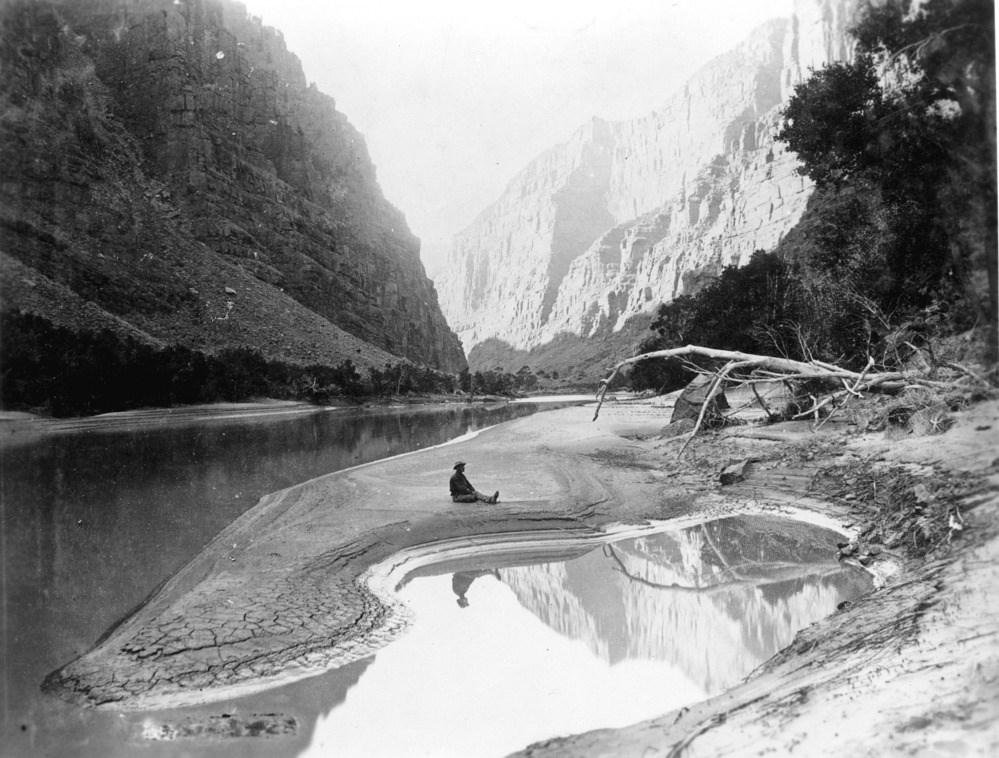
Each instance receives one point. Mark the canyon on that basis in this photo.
(171, 176)
(590, 237)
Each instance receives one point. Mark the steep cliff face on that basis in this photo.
(183, 134)
(627, 215)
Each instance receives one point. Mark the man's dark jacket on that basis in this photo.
(460, 485)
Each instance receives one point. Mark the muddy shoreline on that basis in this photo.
(283, 592)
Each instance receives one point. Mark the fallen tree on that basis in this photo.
(831, 383)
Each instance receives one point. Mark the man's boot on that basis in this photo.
(495, 497)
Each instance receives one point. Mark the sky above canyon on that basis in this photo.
(454, 97)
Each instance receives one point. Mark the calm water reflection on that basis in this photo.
(614, 636)
(94, 522)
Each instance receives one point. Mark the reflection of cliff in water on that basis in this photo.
(716, 600)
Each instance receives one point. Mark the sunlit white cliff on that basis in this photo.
(626, 215)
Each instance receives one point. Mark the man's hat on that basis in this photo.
(459, 463)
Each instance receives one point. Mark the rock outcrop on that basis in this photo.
(628, 215)
(167, 161)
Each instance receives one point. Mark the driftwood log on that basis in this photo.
(747, 368)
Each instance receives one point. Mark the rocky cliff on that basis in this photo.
(627, 215)
(168, 171)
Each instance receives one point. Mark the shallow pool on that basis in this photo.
(517, 642)
(503, 655)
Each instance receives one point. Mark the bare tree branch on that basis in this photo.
(851, 390)
(892, 381)
(768, 368)
(715, 387)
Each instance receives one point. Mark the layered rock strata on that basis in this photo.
(184, 135)
(627, 215)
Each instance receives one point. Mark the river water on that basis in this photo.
(502, 652)
(93, 522)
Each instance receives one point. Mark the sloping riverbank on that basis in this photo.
(283, 592)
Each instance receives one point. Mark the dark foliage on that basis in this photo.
(402, 378)
(830, 120)
(911, 124)
(465, 380)
(753, 309)
(49, 369)
(499, 382)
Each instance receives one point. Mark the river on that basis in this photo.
(93, 522)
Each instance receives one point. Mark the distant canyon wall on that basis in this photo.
(193, 114)
(627, 215)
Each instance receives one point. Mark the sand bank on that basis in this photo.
(286, 590)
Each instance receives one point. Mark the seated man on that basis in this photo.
(462, 490)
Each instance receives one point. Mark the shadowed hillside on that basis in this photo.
(170, 176)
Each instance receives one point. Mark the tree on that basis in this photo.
(752, 308)
(912, 119)
(830, 120)
(525, 378)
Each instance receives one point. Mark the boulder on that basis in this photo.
(675, 429)
(688, 404)
(735, 472)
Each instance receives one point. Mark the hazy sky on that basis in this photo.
(454, 97)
